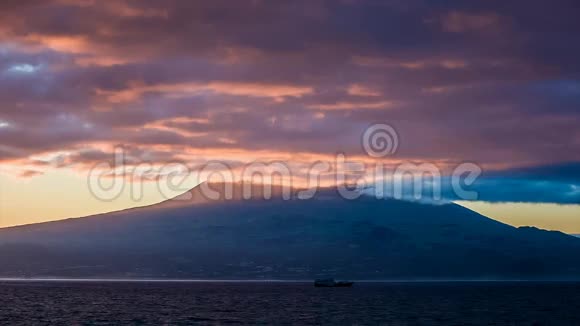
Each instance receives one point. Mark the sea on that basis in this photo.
(98, 302)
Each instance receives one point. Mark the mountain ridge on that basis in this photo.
(327, 235)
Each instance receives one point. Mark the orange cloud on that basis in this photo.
(66, 44)
(118, 8)
(361, 90)
(163, 126)
(354, 105)
(135, 91)
(384, 62)
(461, 22)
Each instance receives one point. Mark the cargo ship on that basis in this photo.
(331, 283)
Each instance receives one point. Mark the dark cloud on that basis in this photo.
(524, 190)
(556, 183)
(558, 172)
(495, 190)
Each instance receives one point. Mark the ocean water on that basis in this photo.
(225, 303)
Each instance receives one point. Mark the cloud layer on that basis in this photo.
(491, 82)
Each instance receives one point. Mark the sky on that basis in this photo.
(492, 83)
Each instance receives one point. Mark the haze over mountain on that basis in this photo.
(327, 235)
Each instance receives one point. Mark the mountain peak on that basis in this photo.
(219, 192)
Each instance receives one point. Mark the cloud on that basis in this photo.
(556, 183)
(135, 92)
(485, 82)
(30, 173)
(353, 105)
(461, 22)
(556, 172)
(361, 90)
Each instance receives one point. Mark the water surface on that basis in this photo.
(221, 303)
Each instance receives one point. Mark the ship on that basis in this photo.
(331, 283)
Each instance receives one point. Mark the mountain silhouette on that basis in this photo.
(365, 238)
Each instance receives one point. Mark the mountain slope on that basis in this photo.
(365, 238)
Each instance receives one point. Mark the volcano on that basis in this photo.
(327, 235)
